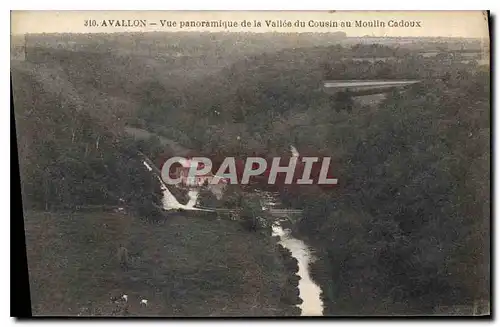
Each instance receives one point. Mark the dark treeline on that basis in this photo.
(407, 228)
(70, 110)
(69, 159)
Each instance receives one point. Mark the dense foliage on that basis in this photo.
(69, 160)
(407, 228)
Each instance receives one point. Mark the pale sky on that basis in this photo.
(432, 23)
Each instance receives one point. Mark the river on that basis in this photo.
(309, 292)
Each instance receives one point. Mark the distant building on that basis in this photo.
(365, 87)
(366, 92)
(193, 181)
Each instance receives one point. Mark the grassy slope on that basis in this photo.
(185, 267)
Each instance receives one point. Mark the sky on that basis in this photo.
(432, 23)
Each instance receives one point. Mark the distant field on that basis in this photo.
(187, 266)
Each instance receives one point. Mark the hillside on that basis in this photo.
(405, 231)
(185, 267)
(70, 110)
(254, 96)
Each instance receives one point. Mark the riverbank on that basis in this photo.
(309, 292)
(187, 266)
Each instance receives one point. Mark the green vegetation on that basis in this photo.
(69, 159)
(76, 156)
(184, 267)
(405, 231)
